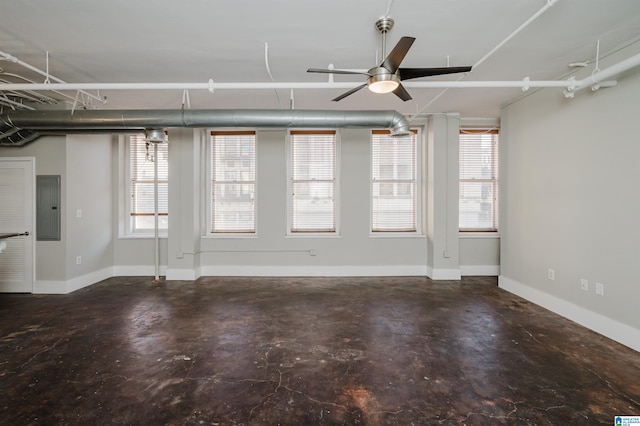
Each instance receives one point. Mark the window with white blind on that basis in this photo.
(478, 180)
(141, 185)
(394, 182)
(232, 204)
(312, 181)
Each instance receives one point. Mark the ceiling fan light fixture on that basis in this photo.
(383, 83)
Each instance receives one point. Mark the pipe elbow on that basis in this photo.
(399, 125)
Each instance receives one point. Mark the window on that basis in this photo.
(233, 182)
(479, 180)
(394, 177)
(312, 181)
(141, 185)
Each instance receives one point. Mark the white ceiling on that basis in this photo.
(137, 41)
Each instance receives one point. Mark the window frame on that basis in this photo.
(127, 223)
(418, 173)
(336, 184)
(494, 180)
(208, 225)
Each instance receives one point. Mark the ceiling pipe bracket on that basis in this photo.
(570, 91)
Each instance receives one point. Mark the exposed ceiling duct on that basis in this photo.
(20, 127)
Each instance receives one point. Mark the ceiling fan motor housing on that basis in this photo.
(382, 81)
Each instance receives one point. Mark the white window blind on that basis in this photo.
(141, 186)
(479, 180)
(233, 182)
(393, 182)
(313, 181)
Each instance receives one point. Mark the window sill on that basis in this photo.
(472, 235)
(313, 235)
(142, 237)
(222, 236)
(396, 235)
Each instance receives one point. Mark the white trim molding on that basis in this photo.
(137, 270)
(182, 274)
(444, 274)
(480, 270)
(73, 284)
(606, 326)
(314, 271)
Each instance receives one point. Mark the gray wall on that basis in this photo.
(570, 203)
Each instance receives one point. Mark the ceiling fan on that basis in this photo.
(387, 77)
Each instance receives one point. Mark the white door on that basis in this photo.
(17, 195)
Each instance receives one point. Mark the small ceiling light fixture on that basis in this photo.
(382, 81)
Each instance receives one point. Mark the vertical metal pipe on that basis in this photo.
(155, 209)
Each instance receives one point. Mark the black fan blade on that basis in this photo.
(393, 59)
(402, 93)
(350, 92)
(409, 73)
(327, 71)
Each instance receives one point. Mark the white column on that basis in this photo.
(443, 260)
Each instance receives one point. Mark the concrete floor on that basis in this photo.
(304, 351)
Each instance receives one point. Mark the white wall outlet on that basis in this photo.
(79, 213)
(600, 289)
(78, 260)
(551, 274)
(584, 284)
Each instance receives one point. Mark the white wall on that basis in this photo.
(271, 252)
(480, 254)
(50, 154)
(84, 164)
(92, 181)
(89, 195)
(570, 203)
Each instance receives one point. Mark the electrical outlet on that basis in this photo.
(584, 284)
(600, 289)
(551, 274)
(79, 213)
(78, 260)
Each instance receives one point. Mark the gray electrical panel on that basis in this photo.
(48, 208)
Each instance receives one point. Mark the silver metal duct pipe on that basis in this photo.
(112, 121)
(18, 137)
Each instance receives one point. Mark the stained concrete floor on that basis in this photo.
(304, 351)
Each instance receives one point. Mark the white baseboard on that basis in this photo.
(480, 270)
(137, 270)
(601, 324)
(444, 274)
(65, 287)
(182, 274)
(313, 271)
